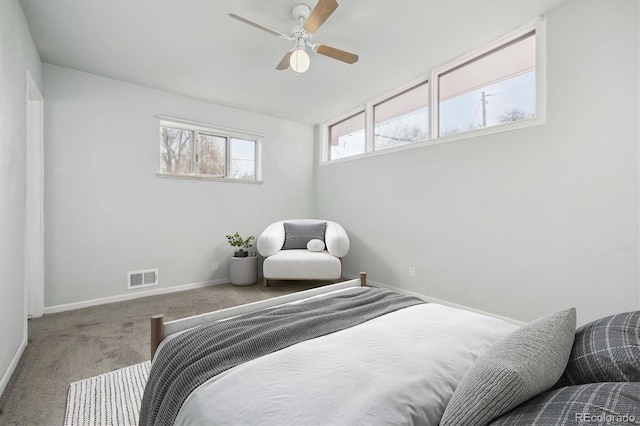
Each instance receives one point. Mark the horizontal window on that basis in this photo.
(491, 88)
(188, 149)
(494, 88)
(346, 138)
(403, 118)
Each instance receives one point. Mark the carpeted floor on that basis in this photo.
(74, 345)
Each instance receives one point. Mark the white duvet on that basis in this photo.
(398, 369)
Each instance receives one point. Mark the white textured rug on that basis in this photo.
(108, 399)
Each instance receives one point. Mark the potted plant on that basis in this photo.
(243, 269)
(242, 243)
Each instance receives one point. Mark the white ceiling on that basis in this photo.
(193, 47)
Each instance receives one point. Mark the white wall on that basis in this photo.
(524, 222)
(17, 53)
(106, 210)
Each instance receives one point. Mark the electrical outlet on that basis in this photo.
(412, 271)
(214, 266)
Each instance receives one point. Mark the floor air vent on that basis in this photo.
(137, 279)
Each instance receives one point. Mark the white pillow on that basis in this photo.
(315, 245)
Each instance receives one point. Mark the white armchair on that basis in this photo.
(292, 252)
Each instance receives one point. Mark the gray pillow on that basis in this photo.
(593, 403)
(605, 350)
(514, 369)
(297, 235)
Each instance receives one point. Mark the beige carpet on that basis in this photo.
(71, 346)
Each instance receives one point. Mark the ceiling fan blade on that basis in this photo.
(332, 52)
(284, 63)
(261, 27)
(319, 14)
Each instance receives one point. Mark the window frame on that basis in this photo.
(369, 127)
(396, 94)
(504, 41)
(342, 119)
(197, 146)
(216, 131)
(538, 26)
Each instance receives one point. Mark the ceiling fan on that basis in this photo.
(308, 22)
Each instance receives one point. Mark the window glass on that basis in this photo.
(496, 85)
(403, 118)
(495, 88)
(175, 150)
(188, 149)
(243, 159)
(347, 137)
(211, 154)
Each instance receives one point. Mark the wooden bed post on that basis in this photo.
(363, 279)
(157, 332)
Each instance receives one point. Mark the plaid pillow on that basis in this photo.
(605, 350)
(593, 403)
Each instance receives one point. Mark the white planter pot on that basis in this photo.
(243, 270)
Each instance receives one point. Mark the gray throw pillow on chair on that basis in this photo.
(297, 235)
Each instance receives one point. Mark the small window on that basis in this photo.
(347, 137)
(192, 150)
(495, 87)
(402, 119)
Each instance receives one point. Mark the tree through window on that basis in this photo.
(188, 150)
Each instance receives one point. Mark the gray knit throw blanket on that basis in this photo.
(193, 357)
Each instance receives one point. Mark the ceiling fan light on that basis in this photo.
(299, 61)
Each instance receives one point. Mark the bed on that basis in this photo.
(351, 354)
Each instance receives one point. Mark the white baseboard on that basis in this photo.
(131, 296)
(438, 301)
(6, 376)
(165, 290)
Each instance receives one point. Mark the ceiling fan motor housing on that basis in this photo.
(301, 11)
